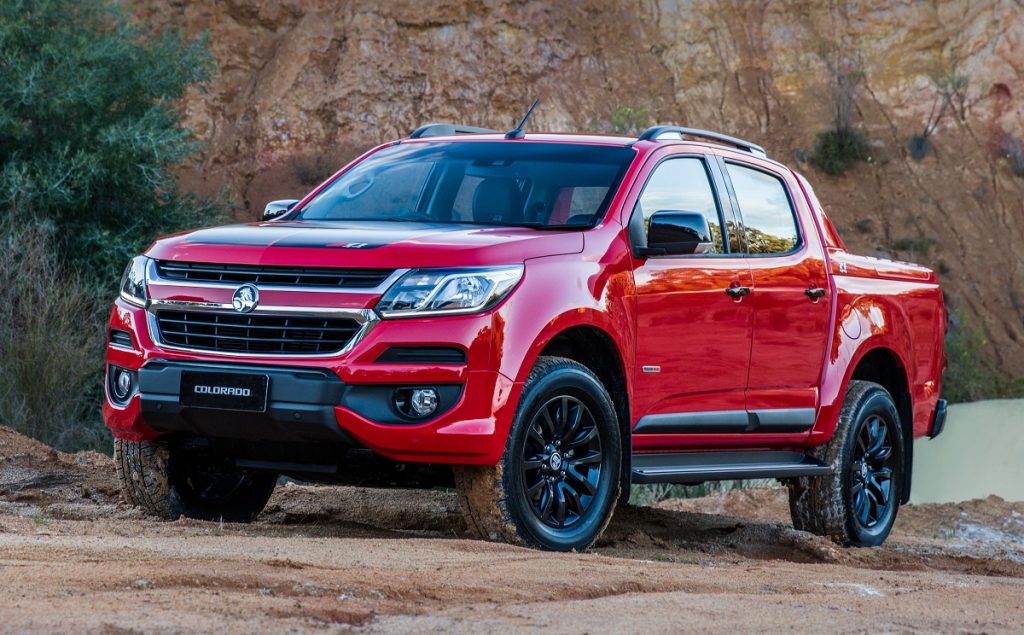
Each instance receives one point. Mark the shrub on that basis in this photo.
(51, 346)
(968, 377)
(836, 151)
(629, 120)
(88, 137)
(88, 132)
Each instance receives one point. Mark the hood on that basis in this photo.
(365, 244)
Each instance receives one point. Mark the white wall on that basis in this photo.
(980, 453)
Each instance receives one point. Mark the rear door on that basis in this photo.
(791, 300)
(693, 338)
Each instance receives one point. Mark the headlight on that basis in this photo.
(448, 291)
(133, 282)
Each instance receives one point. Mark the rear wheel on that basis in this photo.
(856, 505)
(558, 480)
(169, 482)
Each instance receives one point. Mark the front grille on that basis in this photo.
(261, 334)
(279, 276)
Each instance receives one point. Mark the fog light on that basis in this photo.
(122, 384)
(416, 402)
(423, 401)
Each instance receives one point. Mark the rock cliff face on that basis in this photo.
(304, 84)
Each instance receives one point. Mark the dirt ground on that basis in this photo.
(72, 559)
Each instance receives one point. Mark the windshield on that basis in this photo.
(478, 182)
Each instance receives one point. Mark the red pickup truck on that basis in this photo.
(539, 320)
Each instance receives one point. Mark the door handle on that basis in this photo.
(815, 292)
(737, 292)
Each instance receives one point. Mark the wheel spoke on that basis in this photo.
(588, 459)
(563, 416)
(547, 504)
(572, 500)
(574, 424)
(860, 505)
(534, 491)
(585, 439)
(533, 434)
(579, 482)
(880, 495)
(881, 454)
(533, 463)
(548, 422)
(560, 511)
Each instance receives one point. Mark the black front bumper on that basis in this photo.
(300, 404)
(939, 420)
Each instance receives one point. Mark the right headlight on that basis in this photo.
(133, 281)
(423, 292)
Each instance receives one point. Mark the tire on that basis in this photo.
(571, 498)
(168, 483)
(856, 504)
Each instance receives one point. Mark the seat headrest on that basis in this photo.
(497, 200)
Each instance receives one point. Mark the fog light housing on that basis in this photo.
(416, 403)
(122, 384)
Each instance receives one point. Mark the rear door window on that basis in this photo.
(769, 222)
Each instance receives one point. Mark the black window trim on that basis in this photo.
(800, 243)
(715, 181)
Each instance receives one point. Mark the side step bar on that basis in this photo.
(697, 467)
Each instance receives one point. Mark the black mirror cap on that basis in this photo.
(677, 233)
(275, 209)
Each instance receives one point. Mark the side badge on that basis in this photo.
(651, 369)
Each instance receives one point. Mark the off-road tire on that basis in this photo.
(822, 504)
(149, 476)
(488, 493)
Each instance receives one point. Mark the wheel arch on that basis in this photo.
(595, 349)
(883, 366)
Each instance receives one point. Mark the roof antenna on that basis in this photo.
(517, 132)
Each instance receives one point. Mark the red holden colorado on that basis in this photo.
(540, 320)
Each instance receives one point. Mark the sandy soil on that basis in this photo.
(72, 558)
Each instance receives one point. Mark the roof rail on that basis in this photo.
(445, 130)
(655, 132)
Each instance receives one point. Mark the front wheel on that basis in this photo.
(558, 479)
(856, 505)
(168, 482)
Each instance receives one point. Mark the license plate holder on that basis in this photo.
(224, 391)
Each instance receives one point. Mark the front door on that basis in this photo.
(693, 334)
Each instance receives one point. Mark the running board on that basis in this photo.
(697, 467)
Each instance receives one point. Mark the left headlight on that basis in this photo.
(423, 292)
(133, 281)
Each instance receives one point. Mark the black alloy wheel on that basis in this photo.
(871, 473)
(562, 460)
(559, 477)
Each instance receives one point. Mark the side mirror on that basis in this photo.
(278, 208)
(677, 233)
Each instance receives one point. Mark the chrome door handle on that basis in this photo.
(815, 292)
(737, 292)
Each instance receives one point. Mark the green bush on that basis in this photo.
(968, 377)
(88, 138)
(88, 131)
(628, 120)
(838, 150)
